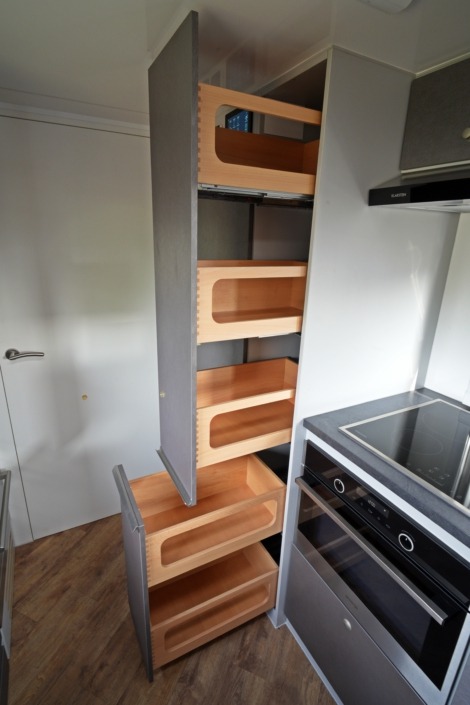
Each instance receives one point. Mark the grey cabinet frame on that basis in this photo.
(133, 533)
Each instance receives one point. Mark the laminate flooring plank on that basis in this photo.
(280, 663)
(74, 641)
(140, 692)
(39, 660)
(212, 675)
(38, 560)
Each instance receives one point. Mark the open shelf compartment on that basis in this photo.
(249, 298)
(239, 503)
(244, 408)
(258, 162)
(190, 611)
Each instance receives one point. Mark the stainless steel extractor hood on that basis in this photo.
(447, 191)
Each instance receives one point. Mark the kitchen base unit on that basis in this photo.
(349, 659)
(380, 602)
(193, 573)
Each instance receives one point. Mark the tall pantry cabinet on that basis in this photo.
(229, 303)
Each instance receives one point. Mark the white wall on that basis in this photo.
(449, 366)
(376, 275)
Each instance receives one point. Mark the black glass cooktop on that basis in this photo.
(431, 441)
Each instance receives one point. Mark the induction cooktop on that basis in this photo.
(430, 440)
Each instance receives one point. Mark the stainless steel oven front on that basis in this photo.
(407, 592)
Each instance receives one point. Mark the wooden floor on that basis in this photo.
(74, 643)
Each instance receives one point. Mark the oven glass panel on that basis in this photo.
(429, 644)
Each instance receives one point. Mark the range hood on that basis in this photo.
(447, 191)
(434, 166)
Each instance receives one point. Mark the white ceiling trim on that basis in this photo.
(73, 120)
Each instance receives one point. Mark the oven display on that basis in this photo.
(376, 506)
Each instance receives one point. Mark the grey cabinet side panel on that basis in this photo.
(133, 534)
(173, 140)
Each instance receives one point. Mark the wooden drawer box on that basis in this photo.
(239, 502)
(244, 408)
(258, 162)
(190, 611)
(249, 298)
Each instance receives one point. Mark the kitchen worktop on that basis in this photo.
(444, 512)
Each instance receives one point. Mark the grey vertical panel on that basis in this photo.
(133, 534)
(173, 138)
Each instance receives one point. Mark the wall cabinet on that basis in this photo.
(437, 130)
(196, 565)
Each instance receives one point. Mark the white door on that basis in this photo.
(76, 283)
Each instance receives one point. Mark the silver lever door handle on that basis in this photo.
(12, 354)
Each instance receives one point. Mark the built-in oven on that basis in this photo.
(398, 598)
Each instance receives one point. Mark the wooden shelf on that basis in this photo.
(244, 408)
(249, 298)
(190, 611)
(239, 502)
(254, 161)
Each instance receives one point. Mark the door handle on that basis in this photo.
(13, 354)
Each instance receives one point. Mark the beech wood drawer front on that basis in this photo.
(240, 502)
(245, 299)
(244, 408)
(254, 161)
(204, 604)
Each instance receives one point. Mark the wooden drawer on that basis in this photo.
(257, 162)
(249, 298)
(244, 408)
(239, 502)
(202, 605)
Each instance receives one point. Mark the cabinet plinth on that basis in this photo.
(244, 299)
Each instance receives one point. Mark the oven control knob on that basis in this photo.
(339, 485)
(406, 542)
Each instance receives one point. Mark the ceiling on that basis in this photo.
(90, 57)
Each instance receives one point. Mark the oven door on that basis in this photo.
(420, 628)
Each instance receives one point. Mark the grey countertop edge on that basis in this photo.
(430, 503)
